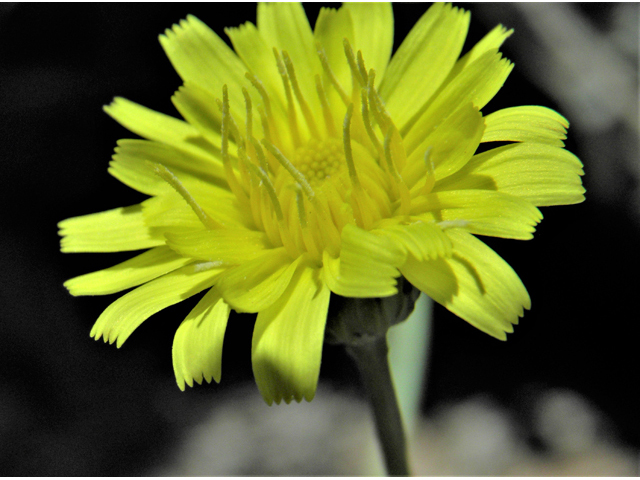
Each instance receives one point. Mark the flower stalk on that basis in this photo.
(371, 359)
(361, 325)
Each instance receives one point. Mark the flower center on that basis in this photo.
(319, 159)
(301, 179)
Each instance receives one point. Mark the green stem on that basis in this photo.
(372, 361)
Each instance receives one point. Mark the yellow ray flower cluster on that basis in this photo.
(310, 162)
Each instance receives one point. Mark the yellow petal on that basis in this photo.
(171, 209)
(226, 246)
(157, 126)
(424, 240)
(331, 276)
(286, 27)
(133, 272)
(449, 146)
(201, 57)
(502, 285)
(526, 124)
(373, 29)
(477, 83)
(257, 55)
(130, 165)
(287, 340)
(256, 284)
(491, 41)
(126, 314)
(423, 61)
(332, 27)
(198, 107)
(197, 345)
(169, 212)
(480, 212)
(542, 174)
(475, 284)
(117, 230)
(368, 265)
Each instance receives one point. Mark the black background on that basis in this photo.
(72, 406)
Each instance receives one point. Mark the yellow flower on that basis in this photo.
(307, 163)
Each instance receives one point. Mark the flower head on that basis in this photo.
(308, 163)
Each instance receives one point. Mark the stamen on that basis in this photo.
(233, 126)
(375, 104)
(302, 214)
(291, 109)
(359, 201)
(266, 116)
(248, 126)
(430, 177)
(282, 231)
(243, 160)
(276, 231)
(311, 235)
(331, 225)
(168, 176)
(297, 176)
(234, 185)
(326, 111)
(348, 154)
(250, 153)
(264, 178)
(351, 59)
(257, 200)
(264, 165)
(332, 78)
(367, 124)
(402, 190)
(363, 70)
(255, 81)
(306, 111)
(387, 154)
(265, 123)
